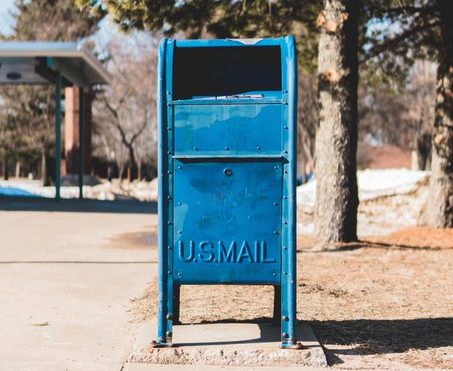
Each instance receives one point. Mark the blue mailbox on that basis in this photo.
(227, 171)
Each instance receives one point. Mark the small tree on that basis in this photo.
(419, 101)
(400, 113)
(125, 110)
(423, 31)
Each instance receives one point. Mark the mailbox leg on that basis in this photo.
(165, 309)
(289, 257)
(289, 304)
(165, 242)
(165, 315)
(289, 319)
(176, 306)
(277, 302)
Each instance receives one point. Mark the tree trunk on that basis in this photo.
(44, 172)
(440, 198)
(139, 171)
(423, 151)
(130, 148)
(109, 172)
(129, 173)
(17, 173)
(121, 171)
(5, 168)
(336, 139)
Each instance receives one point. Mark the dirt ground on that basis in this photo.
(383, 303)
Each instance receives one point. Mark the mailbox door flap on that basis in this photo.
(227, 221)
(224, 129)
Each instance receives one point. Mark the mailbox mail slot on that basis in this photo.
(227, 160)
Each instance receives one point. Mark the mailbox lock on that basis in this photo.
(228, 171)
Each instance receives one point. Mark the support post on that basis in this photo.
(289, 278)
(165, 245)
(81, 139)
(57, 135)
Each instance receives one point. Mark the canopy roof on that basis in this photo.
(35, 62)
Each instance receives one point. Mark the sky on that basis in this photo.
(107, 29)
(5, 19)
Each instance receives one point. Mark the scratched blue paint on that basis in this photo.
(227, 169)
(224, 129)
(239, 213)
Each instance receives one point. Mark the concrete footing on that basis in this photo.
(228, 344)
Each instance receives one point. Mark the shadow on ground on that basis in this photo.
(383, 336)
(368, 336)
(269, 332)
(364, 244)
(134, 240)
(75, 205)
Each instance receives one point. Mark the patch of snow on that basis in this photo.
(387, 182)
(305, 228)
(386, 214)
(140, 190)
(372, 184)
(306, 196)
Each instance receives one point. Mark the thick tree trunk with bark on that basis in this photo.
(440, 198)
(336, 138)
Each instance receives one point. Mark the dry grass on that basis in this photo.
(418, 237)
(383, 303)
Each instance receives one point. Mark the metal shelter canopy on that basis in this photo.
(34, 62)
(59, 63)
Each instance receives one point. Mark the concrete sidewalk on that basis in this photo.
(66, 288)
